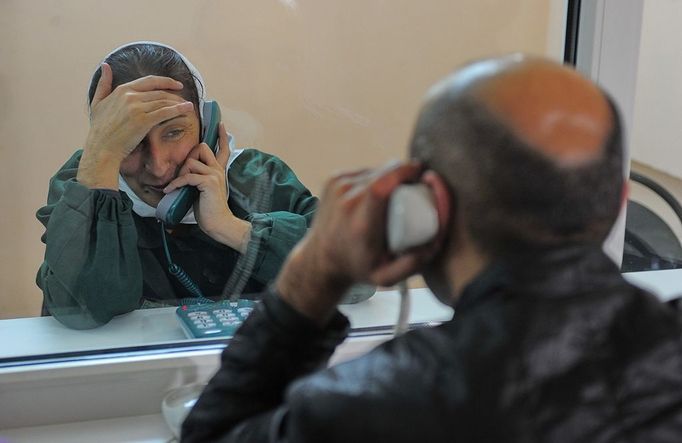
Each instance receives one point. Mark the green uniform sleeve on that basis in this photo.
(91, 271)
(280, 209)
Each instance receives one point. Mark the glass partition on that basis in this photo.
(653, 237)
(321, 86)
(629, 47)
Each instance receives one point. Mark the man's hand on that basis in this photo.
(206, 172)
(120, 119)
(347, 243)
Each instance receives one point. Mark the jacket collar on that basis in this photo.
(556, 273)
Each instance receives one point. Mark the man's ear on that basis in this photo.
(442, 199)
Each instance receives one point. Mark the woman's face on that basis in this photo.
(158, 158)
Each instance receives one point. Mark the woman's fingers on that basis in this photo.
(223, 155)
(193, 165)
(206, 156)
(166, 113)
(149, 107)
(201, 181)
(121, 117)
(199, 163)
(154, 82)
(151, 96)
(103, 85)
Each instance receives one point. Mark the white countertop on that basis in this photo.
(665, 284)
(44, 335)
(139, 429)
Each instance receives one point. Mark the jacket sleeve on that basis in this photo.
(279, 207)
(271, 386)
(91, 271)
(245, 399)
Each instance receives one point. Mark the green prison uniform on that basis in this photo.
(102, 259)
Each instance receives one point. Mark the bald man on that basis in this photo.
(549, 343)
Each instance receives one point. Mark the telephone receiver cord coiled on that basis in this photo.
(180, 274)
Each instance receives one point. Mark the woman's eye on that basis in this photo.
(174, 134)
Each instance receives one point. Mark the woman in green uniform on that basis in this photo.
(106, 254)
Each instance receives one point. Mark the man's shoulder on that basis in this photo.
(414, 358)
(399, 378)
(645, 315)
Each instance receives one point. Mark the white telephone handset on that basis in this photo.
(412, 219)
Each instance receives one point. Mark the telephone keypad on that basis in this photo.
(220, 319)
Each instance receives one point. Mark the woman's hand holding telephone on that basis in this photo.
(202, 183)
(119, 121)
(121, 118)
(180, 197)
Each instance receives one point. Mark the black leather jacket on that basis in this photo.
(561, 350)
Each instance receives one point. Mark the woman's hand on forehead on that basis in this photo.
(155, 82)
(120, 118)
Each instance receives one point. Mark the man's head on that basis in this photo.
(530, 151)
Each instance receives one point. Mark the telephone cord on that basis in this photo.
(402, 324)
(180, 274)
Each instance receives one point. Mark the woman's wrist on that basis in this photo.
(234, 233)
(98, 169)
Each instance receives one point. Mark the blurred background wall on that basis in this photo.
(326, 85)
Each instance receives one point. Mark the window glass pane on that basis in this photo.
(654, 221)
(322, 86)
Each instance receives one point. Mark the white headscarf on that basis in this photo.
(140, 207)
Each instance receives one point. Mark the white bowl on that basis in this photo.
(177, 404)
